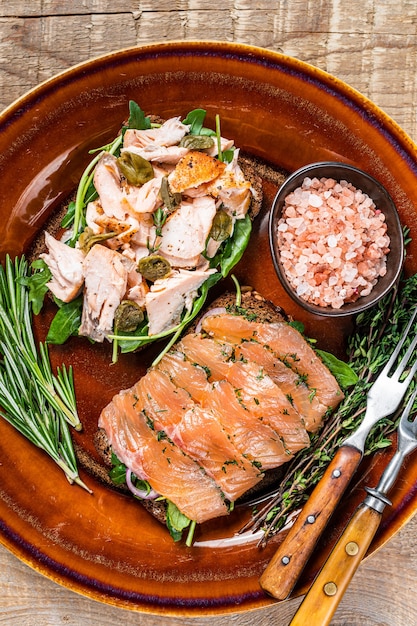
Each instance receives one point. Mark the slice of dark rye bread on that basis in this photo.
(251, 303)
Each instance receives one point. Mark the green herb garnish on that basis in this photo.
(130, 342)
(233, 244)
(66, 322)
(39, 404)
(369, 348)
(176, 521)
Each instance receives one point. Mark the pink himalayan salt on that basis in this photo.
(333, 242)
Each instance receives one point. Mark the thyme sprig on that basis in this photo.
(39, 404)
(369, 347)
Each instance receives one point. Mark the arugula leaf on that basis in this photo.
(133, 340)
(228, 155)
(234, 247)
(118, 471)
(195, 119)
(66, 322)
(344, 374)
(137, 118)
(90, 195)
(36, 284)
(298, 326)
(176, 521)
(69, 216)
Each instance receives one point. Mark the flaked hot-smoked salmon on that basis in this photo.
(105, 283)
(67, 269)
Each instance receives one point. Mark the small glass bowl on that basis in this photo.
(382, 200)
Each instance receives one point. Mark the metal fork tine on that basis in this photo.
(383, 399)
(404, 361)
(409, 406)
(399, 370)
(407, 429)
(413, 370)
(338, 570)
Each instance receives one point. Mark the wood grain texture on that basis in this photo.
(370, 45)
(280, 577)
(333, 579)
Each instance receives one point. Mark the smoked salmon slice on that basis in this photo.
(211, 355)
(288, 345)
(197, 431)
(264, 399)
(292, 384)
(189, 376)
(254, 439)
(168, 470)
(258, 392)
(251, 436)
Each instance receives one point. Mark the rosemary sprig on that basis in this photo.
(40, 405)
(369, 347)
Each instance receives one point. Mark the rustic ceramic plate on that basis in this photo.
(285, 112)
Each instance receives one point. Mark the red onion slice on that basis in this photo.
(220, 310)
(140, 493)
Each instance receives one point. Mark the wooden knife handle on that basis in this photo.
(284, 569)
(332, 581)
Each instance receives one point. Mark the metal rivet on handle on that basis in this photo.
(311, 519)
(336, 473)
(285, 560)
(330, 589)
(352, 548)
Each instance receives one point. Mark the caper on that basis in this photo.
(171, 200)
(128, 316)
(222, 226)
(197, 142)
(153, 267)
(135, 168)
(87, 239)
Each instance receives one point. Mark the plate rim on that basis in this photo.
(392, 128)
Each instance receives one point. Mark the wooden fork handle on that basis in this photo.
(325, 594)
(286, 565)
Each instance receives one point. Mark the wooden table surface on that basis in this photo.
(370, 45)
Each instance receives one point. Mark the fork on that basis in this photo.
(383, 399)
(332, 581)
